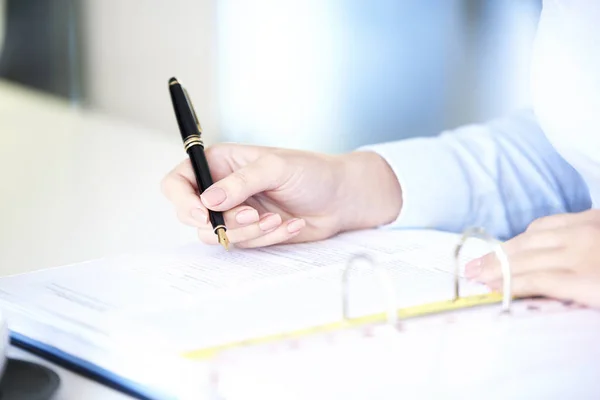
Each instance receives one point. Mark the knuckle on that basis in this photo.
(183, 166)
(276, 167)
(588, 235)
(594, 215)
(272, 158)
(595, 220)
(537, 224)
(541, 239)
(275, 161)
(574, 259)
(526, 242)
(213, 151)
(170, 179)
(241, 178)
(587, 230)
(165, 185)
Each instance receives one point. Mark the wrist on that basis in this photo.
(369, 191)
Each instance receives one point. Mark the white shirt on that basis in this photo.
(504, 174)
(566, 84)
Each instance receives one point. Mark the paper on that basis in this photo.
(198, 296)
(549, 356)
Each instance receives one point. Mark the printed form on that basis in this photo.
(199, 296)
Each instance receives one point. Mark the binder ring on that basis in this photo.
(385, 281)
(502, 257)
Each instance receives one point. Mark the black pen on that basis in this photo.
(191, 134)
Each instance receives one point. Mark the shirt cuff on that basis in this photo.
(435, 191)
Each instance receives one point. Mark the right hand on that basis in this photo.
(272, 196)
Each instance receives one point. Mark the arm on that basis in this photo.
(500, 176)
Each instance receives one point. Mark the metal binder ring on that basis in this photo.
(502, 257)
(385, 281)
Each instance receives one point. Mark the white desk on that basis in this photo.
(72, 386)
(76, 185)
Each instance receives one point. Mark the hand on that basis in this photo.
(272, 196)
(557, 256)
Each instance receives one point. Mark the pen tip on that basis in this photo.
(173, 81)
(222, 237)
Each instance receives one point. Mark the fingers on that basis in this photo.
(282, 234)
(524, 262)
(546, 239)
(526, 252)
(558, 221)
(269, 230)
(235, 218)
(265, 224)
(196, 217)
(266, 173)
(239, 173)
(552, 258)
(180, 189)
(558, 284)
(240, 216)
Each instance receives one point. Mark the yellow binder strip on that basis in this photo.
(403, 313)
(456, 303)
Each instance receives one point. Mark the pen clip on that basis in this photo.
(192, 110)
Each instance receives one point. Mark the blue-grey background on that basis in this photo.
(326, 75)
(87, 130)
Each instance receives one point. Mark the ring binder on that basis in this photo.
(392, 313)
(385, 280)
(500, 254)
(283, 304)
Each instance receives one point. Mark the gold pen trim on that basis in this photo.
(192, 144)
(192, 140)
(219, 227)
(193, 110)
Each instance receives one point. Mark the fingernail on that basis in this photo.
(473, 268)
(214, 196)
(295, 225)
(269, 221)
(199, 215)
(247, 216)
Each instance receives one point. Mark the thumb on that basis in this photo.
(265, 173)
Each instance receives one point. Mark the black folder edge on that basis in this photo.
(86, 368)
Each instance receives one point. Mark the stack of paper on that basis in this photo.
(131, 318)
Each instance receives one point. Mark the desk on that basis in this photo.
(77, 185)
(72, 386)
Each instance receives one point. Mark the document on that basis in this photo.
(550, 356)
(121, 312)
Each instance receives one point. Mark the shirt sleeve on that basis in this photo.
(499, 176)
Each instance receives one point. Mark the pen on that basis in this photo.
(191, 134)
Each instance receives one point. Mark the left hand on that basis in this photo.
(557, 256)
